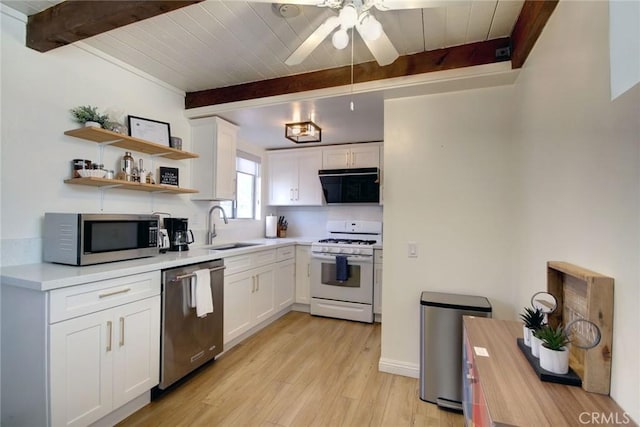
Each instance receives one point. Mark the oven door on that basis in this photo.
(357, 288)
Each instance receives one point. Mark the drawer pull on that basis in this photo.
(120, 291)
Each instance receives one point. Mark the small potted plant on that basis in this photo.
(554, 354)
(536, 341)
(533, 319)
(89, 116)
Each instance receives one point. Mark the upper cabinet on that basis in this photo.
(213, 174)
(351, 156)
(293, 177)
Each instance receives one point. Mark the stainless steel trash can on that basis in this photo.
(441, 344)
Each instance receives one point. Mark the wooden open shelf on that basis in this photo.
(127, 185)
(103, 136)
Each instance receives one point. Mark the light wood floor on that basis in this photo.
(299, 371)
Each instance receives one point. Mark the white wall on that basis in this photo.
(493, 183)
(38, 89)
(447, 187)
(578, 175)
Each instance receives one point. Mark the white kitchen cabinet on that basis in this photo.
(103, 360)
(351, 156)
(303, 274)
(377, 281)
(213, 174)
(285, 287)
(293, 178)
(80, 352)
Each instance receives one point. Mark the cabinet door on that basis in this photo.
(365, 156)
(213, 173)
(377, 288)
(238, 291)
(137, 349)
(285, 286)
(81, 365)
(309, 192)
(283, 178)
(262, 305)
(336, 158)
(303, 274)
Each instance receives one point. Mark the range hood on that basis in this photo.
(360, 185)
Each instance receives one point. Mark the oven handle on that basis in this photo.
(354, 259)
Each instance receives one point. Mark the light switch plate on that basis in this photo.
(413, 250)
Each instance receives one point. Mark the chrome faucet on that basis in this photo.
(211, 228)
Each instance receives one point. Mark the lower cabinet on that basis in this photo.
(285, 289)
(303, 274)
(377, 281)
(103, 360)
(248, 300)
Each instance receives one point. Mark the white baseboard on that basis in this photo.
(399, 367)
(124, 411)
(237, 340)
(304, 308)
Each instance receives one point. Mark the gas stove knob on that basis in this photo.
(349, 251)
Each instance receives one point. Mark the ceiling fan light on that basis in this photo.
(370, 28)
(340, 39)
(348, 16)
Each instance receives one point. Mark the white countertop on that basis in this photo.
(48, 276)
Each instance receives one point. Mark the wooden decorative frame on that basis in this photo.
(583, 293)
(149, 130)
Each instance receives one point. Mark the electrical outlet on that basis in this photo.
(413, 249)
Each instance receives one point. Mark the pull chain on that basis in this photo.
(353, 42)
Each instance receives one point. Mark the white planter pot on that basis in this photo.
(536, 343)
(526, 333)
(92, 125)
(554, 361)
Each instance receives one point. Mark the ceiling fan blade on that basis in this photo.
(417, 4)
(381, 48)
(313, 41)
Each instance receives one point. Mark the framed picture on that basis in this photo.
(149, 130)
(168, 176)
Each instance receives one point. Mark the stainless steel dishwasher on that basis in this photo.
(441, 344)
(188, 341)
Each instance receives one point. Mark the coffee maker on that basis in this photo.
(179, 233)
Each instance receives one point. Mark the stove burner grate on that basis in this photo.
(348, 241)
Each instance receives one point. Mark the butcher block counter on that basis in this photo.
(501, 388)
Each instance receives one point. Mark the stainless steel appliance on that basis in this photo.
(359, 185)
(342, 270)
(189, 341)
(84, 239)
(179, 234)
(441, 344)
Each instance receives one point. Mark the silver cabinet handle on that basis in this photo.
(121, 331)
(257, 283)
(184, 276)
(109, 334)
(253, 284)
(119, 291)
(308, 270)
(291, 194)
(347, 158)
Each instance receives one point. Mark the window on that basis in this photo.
(248, 185)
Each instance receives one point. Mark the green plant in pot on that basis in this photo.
(554, 354)
(89, 116)
(533, 319)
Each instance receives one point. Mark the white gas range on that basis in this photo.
(342, 270)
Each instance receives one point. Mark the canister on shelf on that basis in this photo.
(79, 164)
(127, 165)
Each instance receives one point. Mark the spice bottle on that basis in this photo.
(128, 165)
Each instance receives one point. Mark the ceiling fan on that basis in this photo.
(357, 14)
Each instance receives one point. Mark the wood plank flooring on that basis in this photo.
(299, 371)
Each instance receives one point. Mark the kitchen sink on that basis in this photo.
(227, 246)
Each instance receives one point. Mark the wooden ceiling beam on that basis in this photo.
(71, 21)
(531, 21)
(425, 62)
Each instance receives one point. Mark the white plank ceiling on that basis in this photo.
(215, 44)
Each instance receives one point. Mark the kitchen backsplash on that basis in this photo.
(311, 221)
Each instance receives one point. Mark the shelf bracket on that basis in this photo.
(111, 142)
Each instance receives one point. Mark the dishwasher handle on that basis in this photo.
(189, 275)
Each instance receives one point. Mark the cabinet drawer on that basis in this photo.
(73, 301)
(285, 253)
(236, 264)
(265, 257)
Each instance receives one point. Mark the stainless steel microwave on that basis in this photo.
(84, 239)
